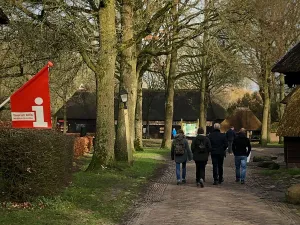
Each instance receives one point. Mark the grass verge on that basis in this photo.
(99, 197)
(269, 145)
(283, 172)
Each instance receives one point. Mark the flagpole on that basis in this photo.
(3, 103)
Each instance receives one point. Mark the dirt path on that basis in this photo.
(227, 204)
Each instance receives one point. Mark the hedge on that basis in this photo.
(34, 163)
(82, 145)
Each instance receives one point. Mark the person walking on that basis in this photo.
(230, 135)
(180, 152)
(174, 133)
(200, 148)
(241, 149)
(218, 152)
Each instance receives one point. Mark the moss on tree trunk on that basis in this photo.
(104, 72)
(139, 115)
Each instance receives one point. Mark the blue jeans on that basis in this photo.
(183, 170)
(240, 167)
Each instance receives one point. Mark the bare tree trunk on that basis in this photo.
(129, 65)
(204, 77)
(121, 142)
(270, 111)
(269, 123)
(139, 115)
(169, 107)
(54, 121)
(281, 107)
(169, 104)
(132, 103)
(105, 126)
(127, 81)
(65, 116)
(203, 102)
(266, 108)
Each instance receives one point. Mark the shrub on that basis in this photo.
(82, 145)
(34, 163)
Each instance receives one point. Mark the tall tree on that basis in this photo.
(128, 81)
(91, 29)
(255, 31)
(185, 25)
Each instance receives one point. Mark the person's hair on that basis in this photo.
(180, 131)
(200, 130)
(242, 130)
(217, 126)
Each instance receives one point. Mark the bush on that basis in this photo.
(82, 145)
(34, 163)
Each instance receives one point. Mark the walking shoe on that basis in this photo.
(198, 184)
(237, 180)
(202, 183)
(242, 182)
(178, 182)
(221, 181)
(183, 181)
(215, 182)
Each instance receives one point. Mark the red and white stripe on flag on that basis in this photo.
(30, 105)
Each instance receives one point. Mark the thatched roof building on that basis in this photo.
(289, 125)
(289, 65)
(289, 96)
(82, 105)
(241, 118)
(3, 18)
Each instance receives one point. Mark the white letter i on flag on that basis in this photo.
(39, 113)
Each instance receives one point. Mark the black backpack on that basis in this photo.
(200, 145)
(179, 147)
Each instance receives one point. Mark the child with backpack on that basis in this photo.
(200, 147)
(180, 152)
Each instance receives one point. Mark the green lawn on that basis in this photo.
(100, 197)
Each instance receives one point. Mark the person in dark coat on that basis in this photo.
(180, 152)
(230, 135)
(241, 149)
(200, 148)
(218, 152)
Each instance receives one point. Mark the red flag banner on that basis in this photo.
(30, 105)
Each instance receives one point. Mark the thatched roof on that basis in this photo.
(288, 97)
(82, 105)
(241, 118)
(186, 106)
(290, 62)
(289, 125)
(3, 18)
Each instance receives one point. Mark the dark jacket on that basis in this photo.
(201, 154)
(187, 153)
(241, 145)
(230, 135)
(218, 143)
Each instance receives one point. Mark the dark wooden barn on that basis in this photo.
(81, 111)
(289, 126)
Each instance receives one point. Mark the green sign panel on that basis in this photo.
(190, 129)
